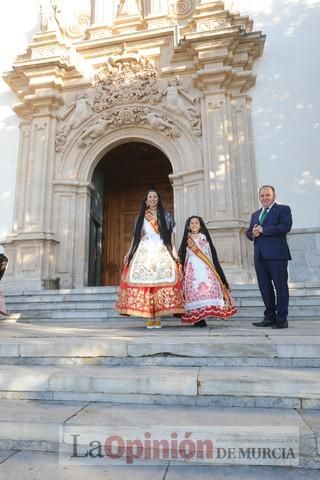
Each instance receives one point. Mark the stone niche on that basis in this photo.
(178, 79)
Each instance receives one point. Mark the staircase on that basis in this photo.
(95, 304)
(68, 362)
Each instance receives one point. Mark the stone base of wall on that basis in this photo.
(304, 245)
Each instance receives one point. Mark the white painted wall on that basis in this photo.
(18, 22)
(286, 101)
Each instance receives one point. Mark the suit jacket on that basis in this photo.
(272, 244)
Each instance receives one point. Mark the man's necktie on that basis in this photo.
(263, 216)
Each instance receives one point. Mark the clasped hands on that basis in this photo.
(257, 230)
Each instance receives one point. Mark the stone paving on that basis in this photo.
(117, 373)
(45, 465)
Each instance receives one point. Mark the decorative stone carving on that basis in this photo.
(126, 80)
(78, 26)
(175, 103)
(211, 25)
(127, 116)
(162, 123)
(216, 105)
(94, 131)
(49, 16)
(130, 115)
(238, 108)
(68, 21)
(73, 116)
(183, 8)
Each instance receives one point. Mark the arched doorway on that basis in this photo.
(120, 181)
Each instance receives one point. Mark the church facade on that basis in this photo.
(127, 95)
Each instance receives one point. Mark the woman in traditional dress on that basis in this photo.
(206, 290)
(151, 282)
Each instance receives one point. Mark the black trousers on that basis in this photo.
(272, 276)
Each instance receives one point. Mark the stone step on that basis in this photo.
(111, 297)
(97, 294)
(97, 304)
(61, 306)
(29, 465)
(51, 426)
(60, 296)
(250, 386)
(100, 315)
(303, 288)
(168, 344)
(86, 304)
(127, 343)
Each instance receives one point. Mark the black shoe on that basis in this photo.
(201, 323)
(264, 323)
(280, 324)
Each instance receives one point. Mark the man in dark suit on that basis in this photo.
(268, 230)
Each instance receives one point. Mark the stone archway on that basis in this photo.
(119, 183)
(73, 188)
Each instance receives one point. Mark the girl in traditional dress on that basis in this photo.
(151, 284)
(206, 289)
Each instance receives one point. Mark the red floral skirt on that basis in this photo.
(150, 301)
(194, 316)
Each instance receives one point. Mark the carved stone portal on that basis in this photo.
(179, 81)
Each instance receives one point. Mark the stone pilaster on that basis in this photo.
(71, 214)
(217, 159)
(229, 176)
(189, 196)
(244, 158)
(32, 244)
